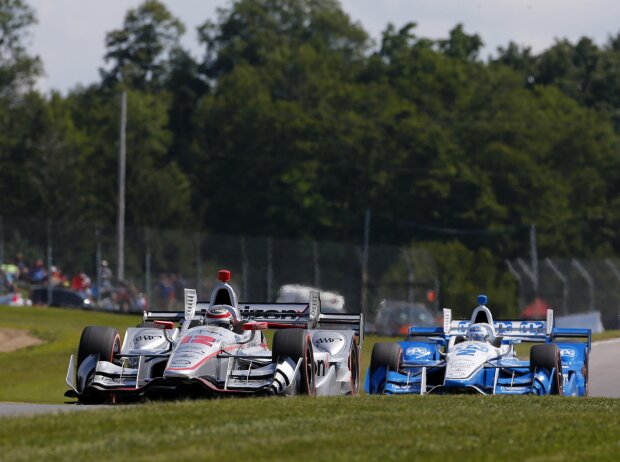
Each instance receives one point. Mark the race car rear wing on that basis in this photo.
(527, 330)
(276, 315)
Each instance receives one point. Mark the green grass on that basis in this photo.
(446, 428)
(37, 374)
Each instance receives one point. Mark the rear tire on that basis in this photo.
(354, 367)
(296, 345)
(547, 356)
(105, 342)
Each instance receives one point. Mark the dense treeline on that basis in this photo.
(294, 123)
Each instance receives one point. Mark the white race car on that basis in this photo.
(218, 348)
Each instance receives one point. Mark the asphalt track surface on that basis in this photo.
(605, 369)
(604, 382)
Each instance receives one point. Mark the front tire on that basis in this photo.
(388, 356)
(105, 342)
(296, 345)
(547, 356)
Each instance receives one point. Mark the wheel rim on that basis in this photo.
(116, 347)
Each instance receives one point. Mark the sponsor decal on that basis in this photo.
(568, 352)
(532, 327)
(146, 338)
(417, 351)
(247, 312)
(322, 340)
(463, 326)
(503, 327)
(181, 362)
(321, 367)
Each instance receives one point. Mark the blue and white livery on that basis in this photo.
(478, 356)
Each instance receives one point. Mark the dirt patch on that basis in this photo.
(14, 339)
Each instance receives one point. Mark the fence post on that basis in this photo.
(410, 275)
(364, 301)
(244, 270)
(1, 241)
(532, 276)
(614, 269)
(198, 260)
(98, 263)
(49, 261)
(147, 264)
(534, 257)
(586, 275)
(269, 268)
(515, 274)
(564, 282)
(317, 268)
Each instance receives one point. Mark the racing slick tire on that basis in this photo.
(296, 344)
(547, 356)
(102, 341)
(386, 354)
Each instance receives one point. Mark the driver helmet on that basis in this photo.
(221, 316)
(480, 332)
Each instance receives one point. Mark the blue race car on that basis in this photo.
(478, 356)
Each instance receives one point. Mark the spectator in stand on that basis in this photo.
(180, 283)
(106, 275)
(20, 261)
(56, 277)
(38, 273)
(165, 292)
(81, 282)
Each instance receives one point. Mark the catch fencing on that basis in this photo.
(571, 286)
(160, 262)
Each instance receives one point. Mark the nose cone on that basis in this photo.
(192, 356)
(465, 360)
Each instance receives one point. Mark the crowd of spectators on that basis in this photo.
(112, 294)
(170, 291)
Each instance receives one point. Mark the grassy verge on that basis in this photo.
(349, 428)
(37, 374)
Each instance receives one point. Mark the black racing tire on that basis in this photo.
(102, 341)
(296, 344)
(354, 367)
(386, 354)
(547, 356)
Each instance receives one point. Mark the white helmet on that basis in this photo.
(222, 316)
(480, 332)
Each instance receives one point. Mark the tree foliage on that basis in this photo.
(293, 123)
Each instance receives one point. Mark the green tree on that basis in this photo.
(139, 51)
(18, 69)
